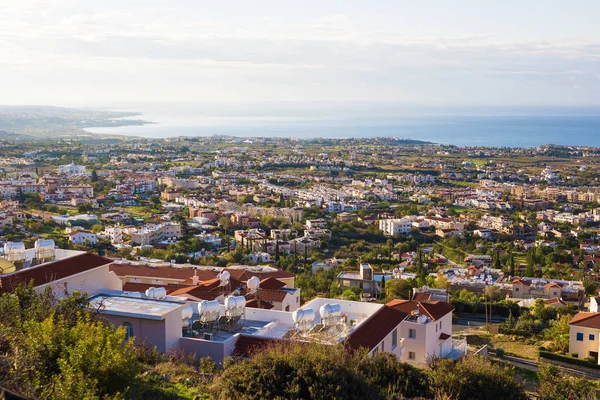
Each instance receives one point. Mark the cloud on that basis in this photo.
(125, 45)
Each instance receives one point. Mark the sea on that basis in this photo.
(490, 126)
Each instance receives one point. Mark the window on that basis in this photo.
(592, 337)
(436, 327)
(440, 324)
(394, 339)
(383, 346)
(412, 333)
(411, 355)
(516, 289)
(287, 308)
(297, 300)
(129, 333)
(580, 336)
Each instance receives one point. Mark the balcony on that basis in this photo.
(459, 349)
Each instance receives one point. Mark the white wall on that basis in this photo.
(584, 347)
(89, 281)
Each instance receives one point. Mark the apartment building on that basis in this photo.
(392, 227)
(154, 233)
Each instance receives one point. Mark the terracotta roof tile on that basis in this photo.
(271, 283)
(142, 287)
(276, 296)
(372, 331)
(52, 271)
(586, 320)
(253, 303)
(434, 310)
(424, 297)
(161, 272)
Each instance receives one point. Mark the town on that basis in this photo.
(221, 247)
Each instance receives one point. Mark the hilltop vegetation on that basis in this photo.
(62, 350)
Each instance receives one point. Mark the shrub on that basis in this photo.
(557, 386)
(570, 360)
(500, 353)
(473, 378)
(294, 371)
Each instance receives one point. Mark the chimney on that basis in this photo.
(195, 278)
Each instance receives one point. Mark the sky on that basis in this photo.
(461, 52)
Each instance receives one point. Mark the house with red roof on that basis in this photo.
(584, 335)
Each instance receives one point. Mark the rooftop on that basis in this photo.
(135, 306)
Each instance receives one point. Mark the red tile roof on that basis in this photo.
(521, 281)
(253, 303)
(142, 287)
(244, 275)
(586, 320)
(424, 297)
(372, 331)
(434, 310)
(272, 295)
(161, 272)
(271, 283)
(52, 271)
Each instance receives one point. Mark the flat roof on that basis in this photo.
(135, 307)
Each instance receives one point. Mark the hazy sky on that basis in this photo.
(450, 52)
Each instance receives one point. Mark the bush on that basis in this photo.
(473, 378)
(570, 360)
(294, 371)
(500, 353)
(557, 386)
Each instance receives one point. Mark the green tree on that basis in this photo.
(294, 371)
(474, 378)
(94, 176)
(555, 385)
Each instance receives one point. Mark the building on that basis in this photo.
(534, 288)
(82, 237)
(62, 270)
(392, 227)
(155, 233)
(363, 279)
(584, 335)
(427, 331)
(72, 169)
(158, 322)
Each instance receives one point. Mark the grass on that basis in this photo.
(512, 345)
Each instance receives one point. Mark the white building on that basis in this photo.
(391, 227)
(584, 335)
(72, 169)
(82, 237)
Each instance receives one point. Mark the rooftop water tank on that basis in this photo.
(224, 277)
(187, 312)
(330, 310)
(303, 315)
(14, 251)
(43, 244)
(253, 283)
(422, 319)
(160, 293)
(206, 307)
(150, 292)
(235, 302)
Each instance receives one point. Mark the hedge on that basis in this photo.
(570, 360)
